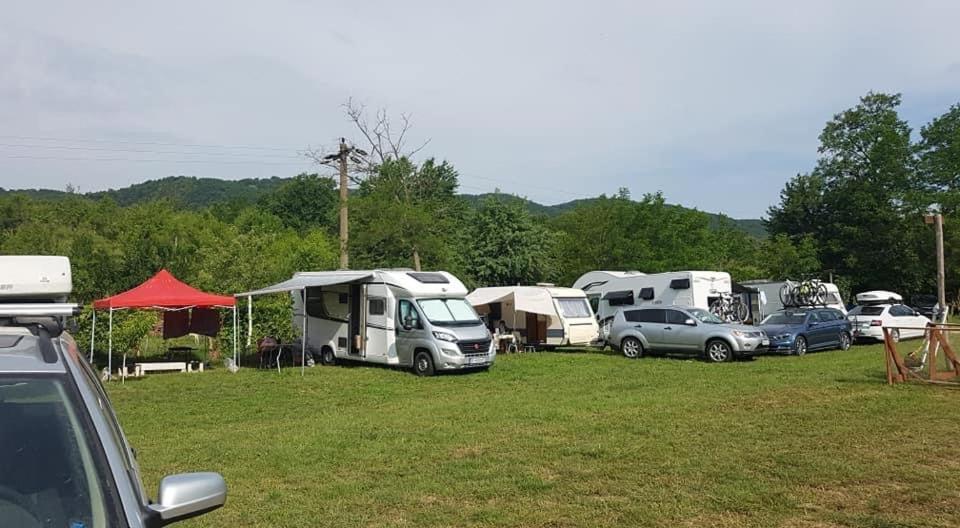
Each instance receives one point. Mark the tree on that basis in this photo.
(305, 201)
(507, 245)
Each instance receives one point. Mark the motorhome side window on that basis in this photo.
(680, 284)
(326, 304)
(646, 294)
(407, 312)
(619, 298)
(377, 306)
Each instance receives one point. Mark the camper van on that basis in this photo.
(404, 318)
(609, 290)
(770, 299)
(542, 316)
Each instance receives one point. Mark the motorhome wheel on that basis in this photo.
(327, 357)
(423, 364)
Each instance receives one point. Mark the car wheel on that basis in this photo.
(845, 341)
(800, 346)
(327, 357)
(631, 347)
(718, 351)
(895, 335)
(423, 364)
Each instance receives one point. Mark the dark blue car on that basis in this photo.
(799, 330)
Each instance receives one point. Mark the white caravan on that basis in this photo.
(392, 317)
(542, 315)
(771, 293)
(609, 290)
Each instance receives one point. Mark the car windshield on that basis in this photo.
(49, 473)
(704, 316)
(574, 307)
(449, 312)
(785, 318)
(867, 310)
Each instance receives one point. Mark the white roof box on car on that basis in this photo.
(878, 297)
(34, 278)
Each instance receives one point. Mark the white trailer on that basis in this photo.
(770, 299)
(542, 316)
(392, 317)
(609, 290)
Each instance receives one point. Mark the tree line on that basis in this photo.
(856, 216)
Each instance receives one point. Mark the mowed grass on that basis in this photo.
(561, 439)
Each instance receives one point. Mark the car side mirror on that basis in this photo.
(811, 324)
(690, 322)
(408, 323)
(187, 495)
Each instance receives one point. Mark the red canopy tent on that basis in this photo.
(161, 292)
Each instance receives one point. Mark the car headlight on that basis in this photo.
(739, 333)
(444, 336)
(783, 336)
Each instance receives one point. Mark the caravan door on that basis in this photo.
(380, 336)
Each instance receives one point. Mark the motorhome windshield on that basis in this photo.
(449, 312)
(704, 316)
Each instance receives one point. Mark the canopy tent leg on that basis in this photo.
(249, 320)
(93, 333)
(110, 348)
(303, 347)
(236, 357)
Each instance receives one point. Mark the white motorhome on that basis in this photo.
(542, 315)
(771, 294)
(609, 290)
(392, 317)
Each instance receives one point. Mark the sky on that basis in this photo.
(715, 104)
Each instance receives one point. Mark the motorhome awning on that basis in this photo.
(736, 287)
(309, 281)
(525, 298)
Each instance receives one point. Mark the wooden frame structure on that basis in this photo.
(936, 341)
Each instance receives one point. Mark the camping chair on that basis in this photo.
(267, 348)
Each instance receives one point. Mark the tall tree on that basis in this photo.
(507, 245)
(305, 201)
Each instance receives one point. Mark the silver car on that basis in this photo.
(64, 461)
(677, 329)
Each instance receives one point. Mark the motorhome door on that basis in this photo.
(357, 320)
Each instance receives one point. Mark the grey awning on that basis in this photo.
(310, 280)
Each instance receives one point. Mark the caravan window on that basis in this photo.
(680, 284)
(377, 306)
(646, 294)
(619, 298)
(574, 307)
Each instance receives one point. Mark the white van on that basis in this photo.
(543, 315)
(609, 290)
(392, 317)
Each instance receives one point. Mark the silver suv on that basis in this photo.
(64, 461)
(636, 331)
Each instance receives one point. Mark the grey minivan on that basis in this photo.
(679, 329)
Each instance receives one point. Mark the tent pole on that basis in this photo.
(303, 349)
(236, 357)
(93, 332)
(249, 319)
(110, 348)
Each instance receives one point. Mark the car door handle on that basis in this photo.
(638, 326)
(668, 328)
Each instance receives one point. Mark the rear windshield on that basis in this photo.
(50, 474)
(867, 310)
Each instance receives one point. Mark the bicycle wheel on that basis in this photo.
(820, 295)
(716, 308)
(739, 311)
(786, 294)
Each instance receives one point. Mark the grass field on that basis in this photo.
(561, 439)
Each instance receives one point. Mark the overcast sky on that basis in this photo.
(716, 104)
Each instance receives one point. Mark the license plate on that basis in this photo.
(765, 342)
(477, 361)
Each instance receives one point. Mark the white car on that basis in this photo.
(869, 320)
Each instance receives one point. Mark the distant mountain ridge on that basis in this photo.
(197, 193)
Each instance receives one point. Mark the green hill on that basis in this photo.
(197, 193)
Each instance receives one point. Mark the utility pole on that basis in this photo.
(937, 221)
(344, 231)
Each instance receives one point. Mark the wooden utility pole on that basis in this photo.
(937, 221)
(344, 231)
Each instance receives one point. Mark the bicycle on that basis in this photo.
(808, 292)
(729, 308)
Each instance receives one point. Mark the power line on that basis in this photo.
(157, 143)
(142, 151)
(140, 160)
